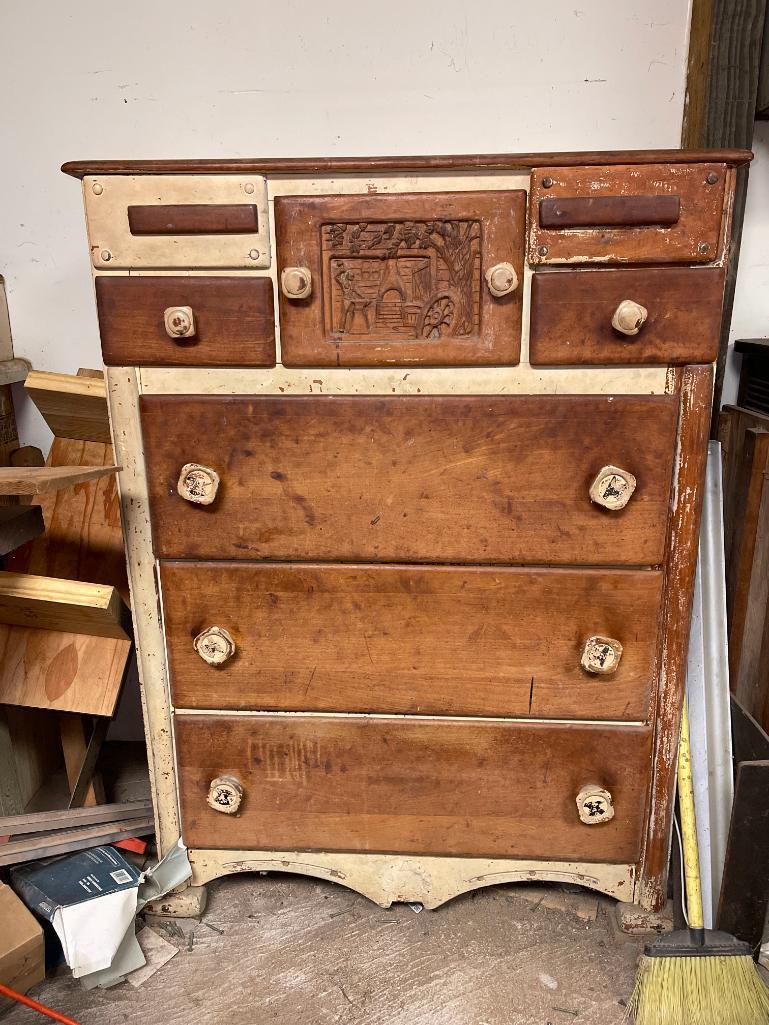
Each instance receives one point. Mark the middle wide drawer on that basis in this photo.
(445, 640)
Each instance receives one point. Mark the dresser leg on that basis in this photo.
(187, 903)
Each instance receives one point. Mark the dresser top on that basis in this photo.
(468, 162)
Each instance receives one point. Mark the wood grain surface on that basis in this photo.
(694, 238)
(193, 219)
(608, 211)
(414, 786)
(571, 313)
(411, 478)
(234, 320)
(443, 640)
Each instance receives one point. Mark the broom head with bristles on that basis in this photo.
(699, 977)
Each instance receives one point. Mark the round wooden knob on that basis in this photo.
(179, 322)
(214, 645)
(629, 317)
(594, 805)
(198, 483)
(502, 279)
(601, 655)
(612, 488)
(296, 282)
(225, 794)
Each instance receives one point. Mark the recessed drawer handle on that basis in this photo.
(501, 279)
(612, 488)
(594, 805)
(609, 211)
(225, 794)
(179, 321)
(601, 655)
(198, 484)
(629, 317)
(214, 645)
(296, 282)
(194, 219)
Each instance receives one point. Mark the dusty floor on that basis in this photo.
(291, 950)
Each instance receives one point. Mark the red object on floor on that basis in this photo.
(6, 991)
(132, 843)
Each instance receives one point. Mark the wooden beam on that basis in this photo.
(71, 606)
(19, 524)
(65, 841)
(73, 405)
(698, 64)
(72, 818)
(37, 480)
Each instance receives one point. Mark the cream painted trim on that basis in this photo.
(394, 183)
(431, 881)
(520, 380)
(123, 399)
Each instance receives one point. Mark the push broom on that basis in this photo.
(697, 976)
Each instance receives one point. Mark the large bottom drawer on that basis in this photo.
(419, 786)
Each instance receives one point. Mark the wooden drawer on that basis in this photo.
(413, 786)
(410, 478)
(572, 315)
(651, 213)
(400, 279)
(186, 321)
(441, 640)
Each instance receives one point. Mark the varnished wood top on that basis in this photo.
(469, 162)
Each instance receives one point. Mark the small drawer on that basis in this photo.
(493, 641)
(670, 316)
(415, 279)
(177, 221)
(483, 788)
(478, 479)
(186, 321)
(651, 213)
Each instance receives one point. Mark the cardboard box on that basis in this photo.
(21, 946)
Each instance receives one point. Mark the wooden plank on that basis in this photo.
(572, 311)
(14, 370)
(752, 685)
(19, 524)
(73, 406)
(87, 788)
(411, 478)
(66, 841)
(234, 320)
(750, 743)
(75, 747)
(609, 211)
(744, 896)
(37, 480)
(11, 797)
(70, 606)
(478, 787)
(440, 640)
(69, 818)
(698, 62)
(6, 340)
(194, 219)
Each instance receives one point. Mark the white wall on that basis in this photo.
(202, 79)
(750, 315)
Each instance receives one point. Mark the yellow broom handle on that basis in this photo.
(689, 826)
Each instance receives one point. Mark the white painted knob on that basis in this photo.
(629, 317)
(296, 282)
(601, 655)
(198, 484)
(225, 794)
(214, 645)
(179, 322)
(612, 488)
(594, 805)
(502, 279)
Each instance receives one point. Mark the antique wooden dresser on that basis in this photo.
(412, 452)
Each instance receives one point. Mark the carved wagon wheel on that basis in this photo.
(440, 316)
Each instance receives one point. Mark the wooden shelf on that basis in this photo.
(70, 606)
(37, 480)
(73, 405)
(19, 524)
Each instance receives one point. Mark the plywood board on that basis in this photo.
(73, 406)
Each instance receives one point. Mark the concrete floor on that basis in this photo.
(299, 952)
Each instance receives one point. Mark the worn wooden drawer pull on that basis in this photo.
(214, 645)
(296, 282)
(198, 484)
(179, 322)
(594, 805)
(612, 488)
(629, 317)
(501, 279)
(194, 219)
(601, 655)
(225, 794)
(609, 211)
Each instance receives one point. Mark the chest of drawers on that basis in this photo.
(412, 451)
